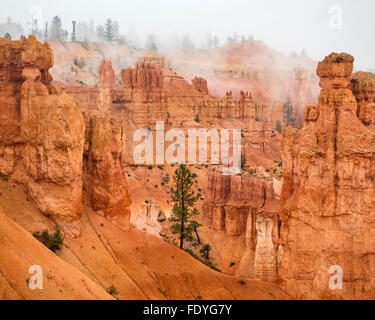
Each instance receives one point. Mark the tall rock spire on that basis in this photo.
(328, 196)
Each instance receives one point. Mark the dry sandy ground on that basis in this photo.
(139, 265)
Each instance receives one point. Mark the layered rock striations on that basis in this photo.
(152, 92)
(42, 132)
(200, 84)
(143, 95)
(104, 177)
(327, 202)
(242, 212)
(363, 87)
(300, 92)
(42, 135)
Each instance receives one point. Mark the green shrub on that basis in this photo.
(112, 290)
(205, 251)
(53, 241)
(80, 63)
(206, 262)
(243, 161)
(279, 128)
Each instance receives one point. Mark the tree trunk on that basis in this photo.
(182, 218)
(196, 232)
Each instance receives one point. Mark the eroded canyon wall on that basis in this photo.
(242, 213)
(42, 133)
(152, 92)
(42, 137)
(327, 202)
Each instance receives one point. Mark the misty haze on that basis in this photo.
(187, 150)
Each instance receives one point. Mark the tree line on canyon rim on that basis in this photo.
(110, 33)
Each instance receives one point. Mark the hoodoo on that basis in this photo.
(43, 144)
(327, 202)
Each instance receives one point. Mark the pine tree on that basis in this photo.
(116, 31)
(57, 33)
(46, 32)
(183, 211)
(288, 113)
(8, 36)
(205, 251)
(151, 45)
(187, 43)
(100, 33)
(35, 29)
(243, 161)
(195, 226)
(303, 53)
(210, 41)
(279, 128)
(108, 30)
(74, 32)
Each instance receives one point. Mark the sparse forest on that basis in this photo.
(58, 29)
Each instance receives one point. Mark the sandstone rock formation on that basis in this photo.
(106, 75)
(106, 85)
(42, 138)
(327, 202)
(363, 88)
(146, 75)
(200, 84)
(300, 96)
(42, 133)
(152, 92)
(244, 210)
(104, 176)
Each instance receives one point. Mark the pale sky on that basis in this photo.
(285, 25)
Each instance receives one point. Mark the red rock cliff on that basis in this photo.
(328, 208)
(242, 211)
(42, 133)
(363, 87)
(104, 176)
(42, 136)
(200, 84)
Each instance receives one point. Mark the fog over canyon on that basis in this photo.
(210, 164)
